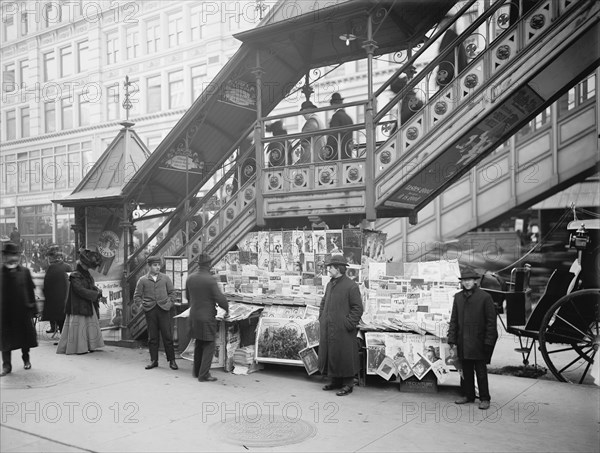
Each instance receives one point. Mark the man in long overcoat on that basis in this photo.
(473, 330)
(339, 315)
(55, 290)
(204, 295)
(17, 308)
(339, 119)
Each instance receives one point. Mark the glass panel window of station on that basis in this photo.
(587, 88)
(82, 56)
(11, 124)
(112, 102)
(66, 61)
(176, 89)
(198, 75)
(132, 43)
(112, 47)
(49, 66)
(175, 29)
(196, 23)
(25, 122)
(153, 98)
(153, 35)
(49, 117)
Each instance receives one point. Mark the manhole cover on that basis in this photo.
(265, 431)
(29, 379)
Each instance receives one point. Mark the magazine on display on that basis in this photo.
(310, 360)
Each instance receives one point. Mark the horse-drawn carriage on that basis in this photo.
(565, 322)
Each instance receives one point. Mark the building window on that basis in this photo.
(11, 124)
(112, 99)
(214, 59)
(587, 89)
(82, 56)
(132, 43)
(24, 23)
(198, 74)
(23, 71)
(9, 167)
(84, 110)
(8, 78)
(196, 24)
(152, 36)
(175, 30)
(176, 89)
(49, 67)
(24, 122)
(153, 94)
(66, 114)
(49, 116)
(112, 47)
(66, 61)
(51, 14)
(8, 22)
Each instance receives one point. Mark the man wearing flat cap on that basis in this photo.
(473, 331)
(17, 308)
(339, 315)
(156, 294)
(344, 139)
(204, 295)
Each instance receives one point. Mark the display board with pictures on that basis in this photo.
(410, 354)
(176, 268)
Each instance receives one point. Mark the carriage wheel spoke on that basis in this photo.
(574, 327)
(554, 351)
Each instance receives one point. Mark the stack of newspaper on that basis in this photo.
(243, 361)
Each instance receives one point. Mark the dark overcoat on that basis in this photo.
(56, 284)
(473, 324)
(339, 315)
(204, 295)
(83, 294)
(340, 119)
(17, 308)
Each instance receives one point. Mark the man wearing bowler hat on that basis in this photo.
(302, 153)
(204, 295)
(473, 331)
(155, 293)
(17, 308)
(339, 119)
(339, 315)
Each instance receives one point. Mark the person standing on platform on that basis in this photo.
(339, 119)
(204, 295)
(339, 315)
(473, 330)
(81, 331)
(55, 290)
(15, 238)
(17, 308)
(304, 151)
(155, 293)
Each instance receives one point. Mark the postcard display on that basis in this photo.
(407, 305)
(405, 322)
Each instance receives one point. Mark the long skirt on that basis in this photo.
(80, 334)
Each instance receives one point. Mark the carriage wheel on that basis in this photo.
(569, 336)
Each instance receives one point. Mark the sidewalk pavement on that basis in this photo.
(107, 401)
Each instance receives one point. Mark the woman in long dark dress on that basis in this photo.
(81, 331)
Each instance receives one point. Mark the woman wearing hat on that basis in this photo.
(17, 308)
(81, 331)
(55, 290)
(473, 330)
(339, 315)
